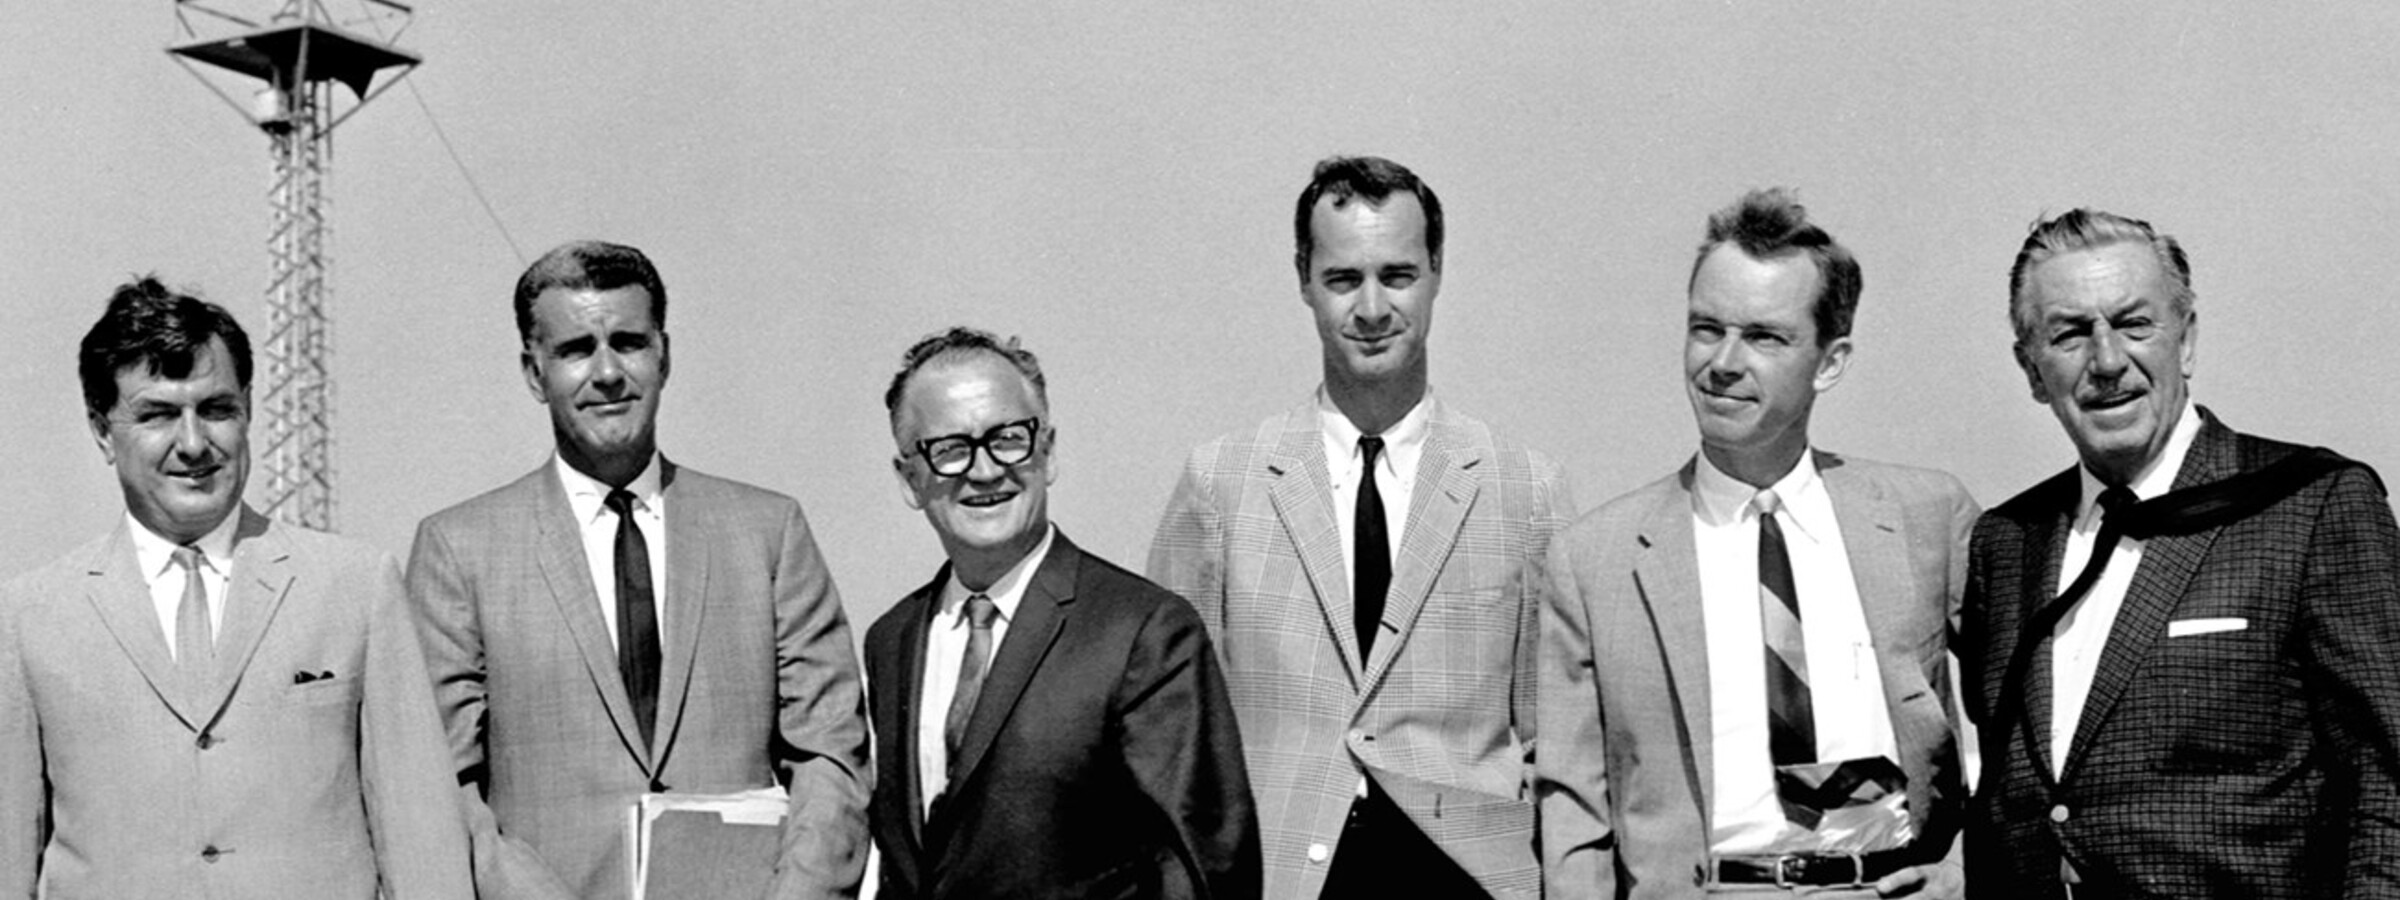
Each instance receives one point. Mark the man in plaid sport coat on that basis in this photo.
(2218, 714)
(1400, 764)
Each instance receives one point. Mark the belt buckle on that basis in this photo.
(1790, 868)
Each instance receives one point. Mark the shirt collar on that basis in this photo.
(1004, 592)
(154, 553)
(1402, 443)
(587, 495)
(1721, 499)
(2152, 481)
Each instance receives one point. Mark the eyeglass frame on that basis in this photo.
(983, 443)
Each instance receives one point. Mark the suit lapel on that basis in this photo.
(2168, 562)
(262, 578)
(120, 594)
(1445, 489)
(1303, 496)
(688, 542)
(1041, 615)
(559, 546)
(1667, 570)
(918, 608)
(2048, 532)
(1888, 593)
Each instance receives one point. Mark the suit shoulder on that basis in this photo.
(59, 571)
(715, 491)
(1236, 452)
(2040, 501)
(322, 548)
(506, 503)
(1909, 484)
(1625, 512)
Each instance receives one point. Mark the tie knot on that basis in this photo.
(2117, 499)
(619, 501)
(189, 558)
(1767, 503)
(981, 612)
(1372, 446)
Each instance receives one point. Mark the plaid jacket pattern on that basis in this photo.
(2253, 751)
(1442, 715)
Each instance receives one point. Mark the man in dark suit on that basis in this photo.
(1049, 724)
(204, 702)
(613, 624)
(1719, 639)
(2189, 682)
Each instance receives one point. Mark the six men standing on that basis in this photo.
(2184, 653)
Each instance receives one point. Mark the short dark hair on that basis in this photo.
(163, 330)
(2090, 229)
(589, 266)
(959, 339)
(1771, 222)
(1373, 177)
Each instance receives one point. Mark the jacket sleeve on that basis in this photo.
(23, 801)
(2350, 613)
(821, 729)
(1178, 738)
(405, 765)
(443, 600)
(1187, 555)
(1578, 843)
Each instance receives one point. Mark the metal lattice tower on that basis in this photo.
(300, 53)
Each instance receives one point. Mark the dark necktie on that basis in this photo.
(1791, 714)
(1371, 552)
(981, 613)
(195, 644)
(637, 616)
(2117, 505)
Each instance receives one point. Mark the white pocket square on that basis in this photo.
(2189, 627)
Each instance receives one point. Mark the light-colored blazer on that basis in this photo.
(1442, 715)
(759, 683)
(311, 764)
(1627, 770)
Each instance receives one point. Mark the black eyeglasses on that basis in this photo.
(1009, 443)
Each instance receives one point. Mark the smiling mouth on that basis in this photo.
(2112, 401)
(199, 474)
(986, 501)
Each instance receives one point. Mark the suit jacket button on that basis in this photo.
(2058, 813)
(211, 853)
(1317, 853)
(206, 741)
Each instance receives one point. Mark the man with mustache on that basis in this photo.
(614, 624)
(2189, 675)
(1367, 562)
(1745, 667)
(205, 702)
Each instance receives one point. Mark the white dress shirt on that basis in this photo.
(588, 498)
(155, 555)
(1395, 473)
(1845, 685)
(2083, 634)
(946, 651)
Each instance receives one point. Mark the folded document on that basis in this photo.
(705, 846)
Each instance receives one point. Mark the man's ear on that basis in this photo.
(908, 489)
(2033, 376)
(1832, 363)
(533, 375)
(1050, 456)
(101, 436)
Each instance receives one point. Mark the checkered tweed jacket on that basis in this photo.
(1442, 715)
(2257, 762)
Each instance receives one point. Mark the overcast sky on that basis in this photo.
(822, 183)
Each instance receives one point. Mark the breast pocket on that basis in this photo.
(2227, 700)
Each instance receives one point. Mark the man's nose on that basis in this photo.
(607, 367)
(191, 436)
(1724, 362)
(1374, 307)
(2109, 358)
(982, 468)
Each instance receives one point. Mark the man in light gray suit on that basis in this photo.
(613, 624)
(1745, 680)
(1367, 563)
(205, 702)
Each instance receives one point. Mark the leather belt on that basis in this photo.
(1813, 869)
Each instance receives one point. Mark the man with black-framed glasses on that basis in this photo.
(1050, 725)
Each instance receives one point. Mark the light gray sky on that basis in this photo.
(824, 182)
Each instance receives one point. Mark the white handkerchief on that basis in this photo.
(2189, 627)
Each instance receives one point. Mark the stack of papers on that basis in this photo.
(705, 846)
